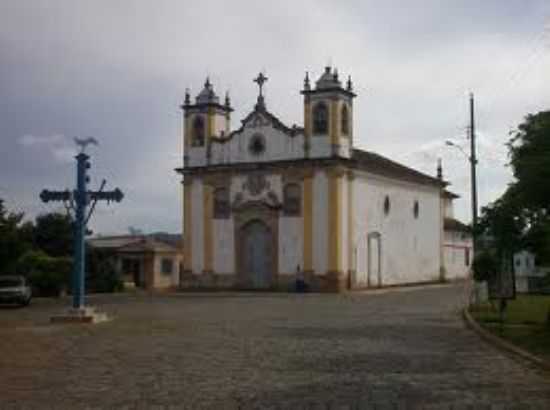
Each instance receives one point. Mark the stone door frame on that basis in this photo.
(243, 215)
(374, 236)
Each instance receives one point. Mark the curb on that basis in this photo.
(502, 344)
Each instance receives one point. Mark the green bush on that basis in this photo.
(47, 275)
(484, 266)
(102, 275)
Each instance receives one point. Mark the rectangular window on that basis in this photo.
(167, 266)
(222, 208)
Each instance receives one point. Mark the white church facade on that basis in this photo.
(267, 203)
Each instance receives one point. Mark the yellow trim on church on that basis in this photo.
(334, 128)
(307, 118)
(187, 227)
(334, 221)
(207, 226)
(351, 226)
(187, 133)
(308, 223)
(210, 118)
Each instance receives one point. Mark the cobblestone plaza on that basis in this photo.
(399, 349)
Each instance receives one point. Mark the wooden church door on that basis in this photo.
(257, 255)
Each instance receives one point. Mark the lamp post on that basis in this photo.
(472, 159)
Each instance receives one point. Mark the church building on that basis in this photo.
(267, 203)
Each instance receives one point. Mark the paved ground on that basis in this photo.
(394, 350)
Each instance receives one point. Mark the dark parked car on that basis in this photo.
(15, 289)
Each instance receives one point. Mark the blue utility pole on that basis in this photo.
(78, 201)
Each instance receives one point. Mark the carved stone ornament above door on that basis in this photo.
(256, 184)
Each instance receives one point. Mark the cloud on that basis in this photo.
(412, 66)
(58, 146)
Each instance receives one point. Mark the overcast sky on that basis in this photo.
(117, 70)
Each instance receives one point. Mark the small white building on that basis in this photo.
(457, 242)
(267, 202)
(140, 261)
(526, 272)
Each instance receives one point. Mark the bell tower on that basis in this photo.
(204, 120)
(328, 116)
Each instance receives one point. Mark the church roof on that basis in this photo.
(277, 123)
(328, 80)
(451, 224)
(364, 160)
(378, 164)
(449, 194)
(207, 94)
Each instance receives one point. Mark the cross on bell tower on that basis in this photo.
(260, 80)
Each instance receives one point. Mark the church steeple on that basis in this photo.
(439, 170)
(206, 119)
(328, 113)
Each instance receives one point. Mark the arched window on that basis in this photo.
(344, 121)
(387, 205)
(221, 203)
(320, 118)
(416, 209)
(292, 199)
(198, 132)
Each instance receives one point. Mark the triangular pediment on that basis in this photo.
(261, 117)
(257, 119)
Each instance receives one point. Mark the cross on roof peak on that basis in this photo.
(260, 80)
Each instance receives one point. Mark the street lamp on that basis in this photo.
(473, 162)
(452, 144)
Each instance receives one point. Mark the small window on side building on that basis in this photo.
(167, 266)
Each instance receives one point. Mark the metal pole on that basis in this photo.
(81, 201)
(473, 163)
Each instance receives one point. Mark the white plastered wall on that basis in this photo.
(409, 247)
(223, 246)
(290, 244)
(455, 246)
(167, 280)
(278, 146)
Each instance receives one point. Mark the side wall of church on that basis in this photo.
(409, 246)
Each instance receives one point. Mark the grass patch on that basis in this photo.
(526, 322)
(525, 309)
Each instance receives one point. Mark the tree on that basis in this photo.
(529, 150)
(53, 233)
(13, 240)
(48, 275)
(520, 218)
